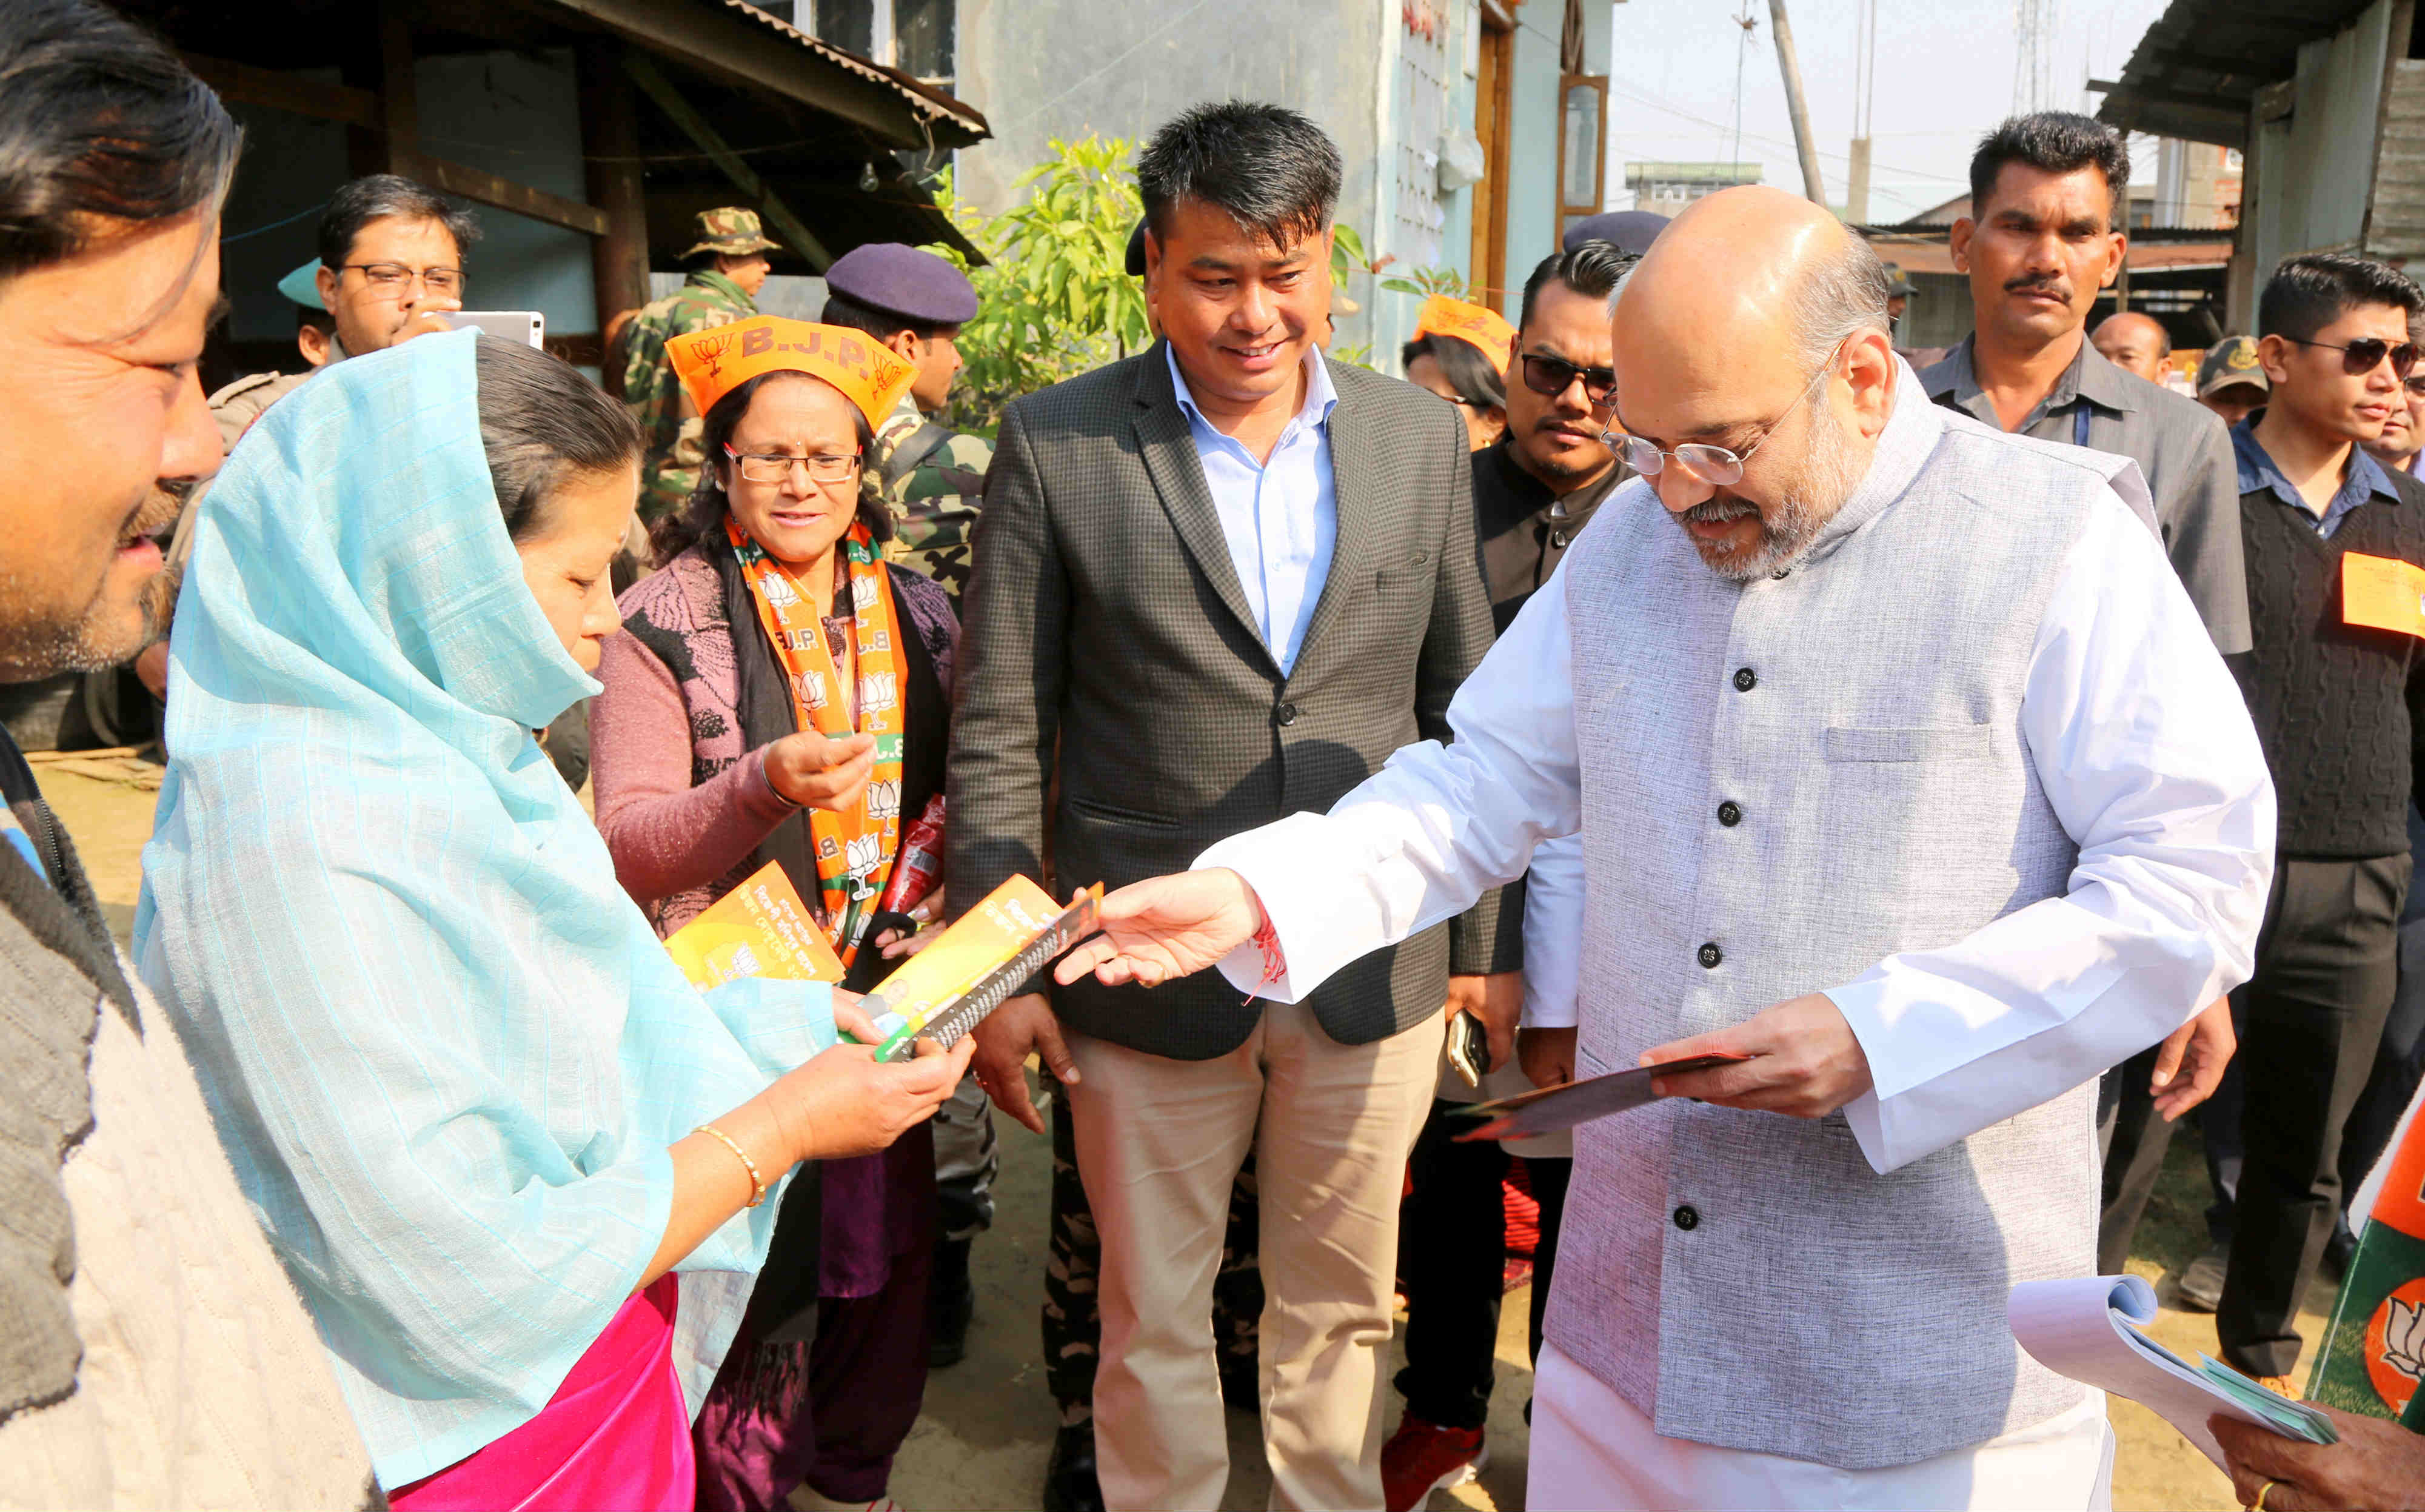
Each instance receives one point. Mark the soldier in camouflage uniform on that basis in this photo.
(935, 496)
(932, 477)
(728, 267)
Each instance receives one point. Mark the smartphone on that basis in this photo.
(1469, 1048)
(528, 326)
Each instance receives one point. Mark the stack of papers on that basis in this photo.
(2093, 1328)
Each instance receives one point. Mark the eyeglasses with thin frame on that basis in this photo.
(1549, 377)
(2367, 353)
(392, 278)
(769, 467)
(1716, 465)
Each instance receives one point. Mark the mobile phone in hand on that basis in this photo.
(1469, 1048)
(529, 326)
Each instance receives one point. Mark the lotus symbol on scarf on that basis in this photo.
(878, 690)
(2403, 1339)
(861, 855)
(778, 591)
(883, 801)
(862, 592)
(811, 690)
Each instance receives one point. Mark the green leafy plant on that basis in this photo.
(1054, 297)
(1426, 282)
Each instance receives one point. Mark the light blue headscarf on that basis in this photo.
(445, 1051)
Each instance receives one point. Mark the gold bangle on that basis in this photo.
(757, 1182)
(2262, 1491)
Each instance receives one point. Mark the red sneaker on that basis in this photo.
(1423, 1457)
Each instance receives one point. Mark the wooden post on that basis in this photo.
(610, 140)
(399, 91)
(383, 64)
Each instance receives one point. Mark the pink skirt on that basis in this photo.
(615, 1437)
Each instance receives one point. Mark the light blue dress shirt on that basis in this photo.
(1280, 517)
(2364, 480)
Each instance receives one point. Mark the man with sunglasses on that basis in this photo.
(1829, 698)
(2339, 704)
(2403, 441)
(1534, 489)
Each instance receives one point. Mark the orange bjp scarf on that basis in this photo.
(854, 849)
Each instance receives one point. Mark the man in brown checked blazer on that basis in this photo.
(1216, 584)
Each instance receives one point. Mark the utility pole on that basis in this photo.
(1813, 188)
(1856, 183)
(1865, 83)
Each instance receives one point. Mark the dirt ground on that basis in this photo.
(981, 1444)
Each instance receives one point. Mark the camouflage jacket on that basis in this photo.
(935, 504)
(671, 470)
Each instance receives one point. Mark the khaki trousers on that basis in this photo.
(1159, 1143)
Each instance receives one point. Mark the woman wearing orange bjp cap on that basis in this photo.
(1460, 352)
(783, 695)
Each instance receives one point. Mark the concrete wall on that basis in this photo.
(2313, 168)
(1533, 223)
(514, 114)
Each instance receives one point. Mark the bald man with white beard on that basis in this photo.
(1901, 768)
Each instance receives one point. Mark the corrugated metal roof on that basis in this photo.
(2196, 73)
(930, 104)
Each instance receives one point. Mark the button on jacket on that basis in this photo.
(2180, 446)
(1113, 656)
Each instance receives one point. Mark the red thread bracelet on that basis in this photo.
(1267, 943)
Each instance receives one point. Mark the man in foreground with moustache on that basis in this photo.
(1905, 770)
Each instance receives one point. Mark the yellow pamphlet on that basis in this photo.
(2382, 593)
(760, 929)
(946, 988)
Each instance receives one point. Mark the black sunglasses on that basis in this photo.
(1549, 377)
(2367, 353)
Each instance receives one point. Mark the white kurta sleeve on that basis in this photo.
(1437, 826)
(2140, 737)
(1554, 934)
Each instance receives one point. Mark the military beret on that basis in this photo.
(905, 282)
(1628, 231)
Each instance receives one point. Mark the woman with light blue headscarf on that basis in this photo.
(517, 1167)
